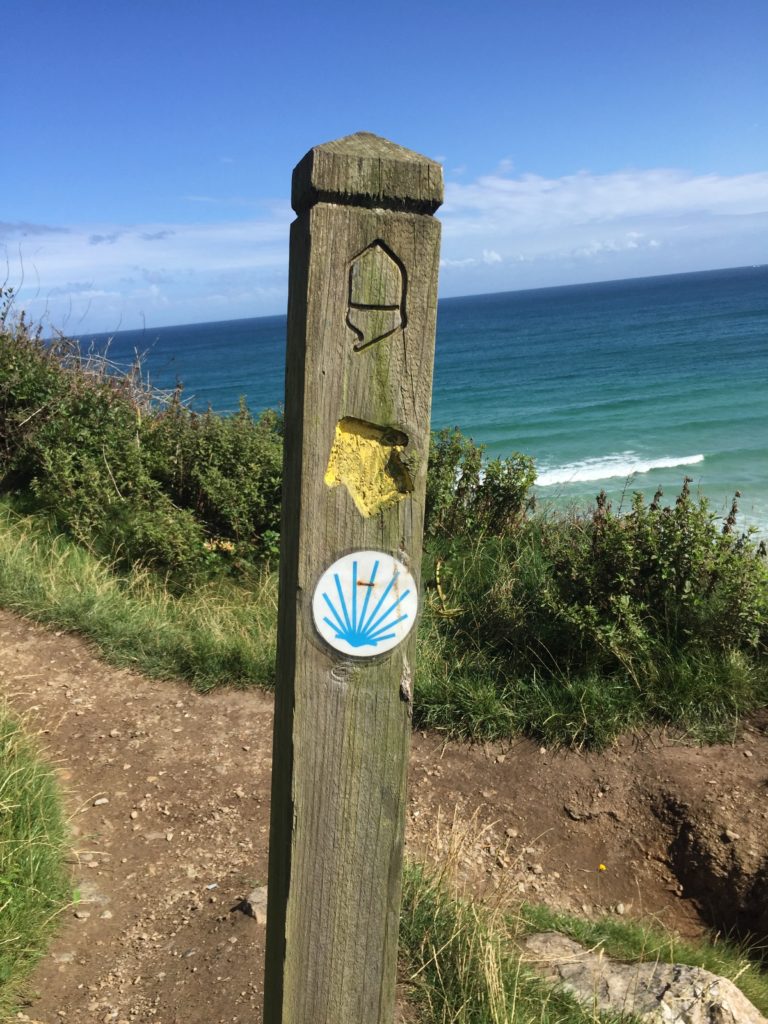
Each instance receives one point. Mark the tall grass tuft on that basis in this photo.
(462, 968)
(218, 632)
(463, 964)
(34, 885)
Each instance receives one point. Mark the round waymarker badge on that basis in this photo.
(365, 604)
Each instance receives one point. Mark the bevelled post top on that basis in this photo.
(366, 170)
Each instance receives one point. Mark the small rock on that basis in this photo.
(101, 801)
(747, 753)
(537, 869)
(620, 909)
(731, 835)
(114, 733)
(82, 915)
(511, 833)
(134, 815)
(255, 904)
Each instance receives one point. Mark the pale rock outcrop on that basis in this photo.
(655, 992)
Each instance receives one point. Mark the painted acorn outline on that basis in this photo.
(360, 308)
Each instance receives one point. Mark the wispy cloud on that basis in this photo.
(105, 239)
(23, 229)
(501, 231)
(532, 201)
(586, 226)
(95, 277)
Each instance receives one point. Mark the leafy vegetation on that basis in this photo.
(33, 880)
(217, 631)
(128, 472)
(153, 531)
(568, 626)
(576, 627)
(469, 496)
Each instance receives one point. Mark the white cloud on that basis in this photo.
(532, 201)
(499, 232)
(589, 227)
(96, 277)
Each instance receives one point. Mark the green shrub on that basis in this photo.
(466, 496)
(128, 476)
(226, 470)
(585, 625)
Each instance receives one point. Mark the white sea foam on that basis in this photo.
(622, 464)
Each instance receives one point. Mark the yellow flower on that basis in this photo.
(601, 867)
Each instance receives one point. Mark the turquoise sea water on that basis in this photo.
(625, 385)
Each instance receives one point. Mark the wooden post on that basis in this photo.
(361, 327)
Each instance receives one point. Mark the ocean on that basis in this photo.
(621, 385)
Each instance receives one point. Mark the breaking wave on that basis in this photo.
(622, 465)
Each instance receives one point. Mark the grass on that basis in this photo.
(212, 634)
(533, 633)
(463, 964)
(463, 967)
(34, 884)
(223, 632)
(462, 959)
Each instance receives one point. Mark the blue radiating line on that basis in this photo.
(343, 602)
(375, 636)
(381, 601)
(363, 630)
(354, 593)
(372, 627)
(369, 590)
(333, 612)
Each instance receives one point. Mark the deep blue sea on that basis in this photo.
(624, 385)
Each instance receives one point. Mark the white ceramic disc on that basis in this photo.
(365, 604)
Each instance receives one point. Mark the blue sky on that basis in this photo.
(148, 147)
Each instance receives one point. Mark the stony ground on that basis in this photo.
(169, 798)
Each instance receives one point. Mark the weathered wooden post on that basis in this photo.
(361, 328)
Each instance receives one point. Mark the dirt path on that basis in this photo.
(169, 795)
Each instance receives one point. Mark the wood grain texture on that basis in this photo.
(341, 725)
(366, 170)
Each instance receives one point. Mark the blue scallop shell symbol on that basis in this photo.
(352, 618)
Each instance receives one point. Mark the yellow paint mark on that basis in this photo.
(366, 459)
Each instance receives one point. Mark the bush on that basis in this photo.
(127, 474)
(466, 496)
(586, 625)
(226, 470)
